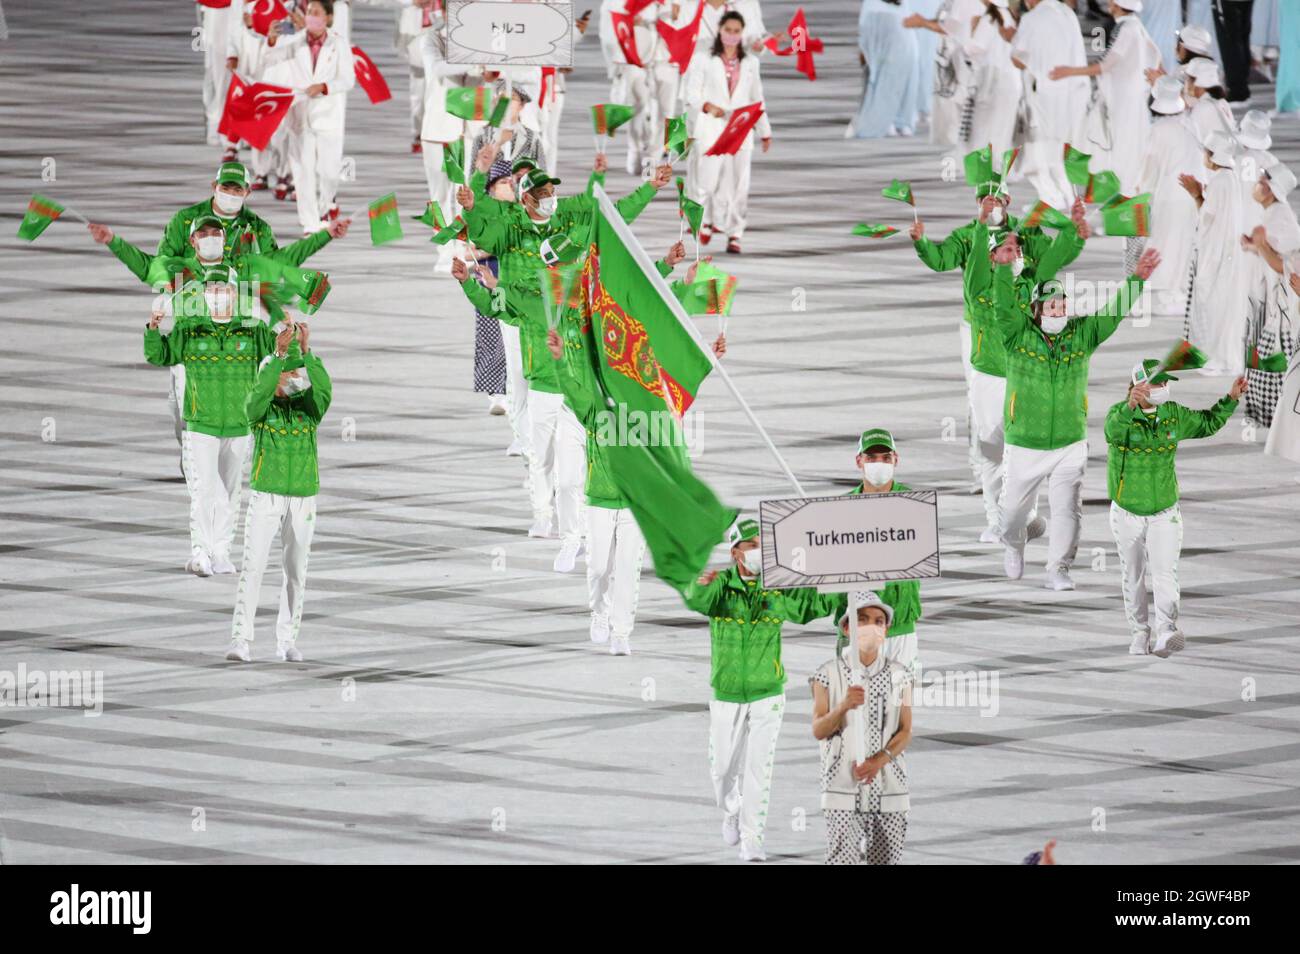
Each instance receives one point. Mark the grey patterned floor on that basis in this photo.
(451, 707)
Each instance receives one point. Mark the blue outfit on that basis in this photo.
(1288, 64)
(1163, 19)
(892, 85)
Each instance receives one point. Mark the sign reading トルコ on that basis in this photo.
(844, 542)
(499, 33)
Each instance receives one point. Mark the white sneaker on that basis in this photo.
(239, 651)
(991, 535)
(1168, 644)
(287, 652)
(568, 555)
(620, 645)
(977, 487)
(496, 405)
(1141, 645)
(199, 565)
(1059, 579)
(749, 852)
(1035, 528)
(221, 565)
(542, 528)
(731, 829)
(514, 450)
(599, 629)
(1013, 561)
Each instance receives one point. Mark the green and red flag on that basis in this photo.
(473, 103)
(1076, 165)
(872, 230)
(431, 216)
(453, 160)
(1102, 188)
(1276, 363)
(644, 362)
(1131, 217)
(607, 117)
(978, 166)
(450, 231)
(385, 223)
(676, 138)
(281, 284)
(1008, 160)
(1184, 356)
(899, 191)
(1043, 214)
(41, 211)
(689, 209)
(498, 117)
(712, 292)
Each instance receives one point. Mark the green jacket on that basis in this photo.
(1140, 474)
(156, 270)
(221, 362)
(955, 251)
(247, 233)
(988, 353)
(515, 240)
(284, 430)
(1047, 375)
(903, 596)
(745, 631)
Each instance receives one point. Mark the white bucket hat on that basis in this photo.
(1196, 39)
(1281, 181)
(861, 598)
(1222, 150)
(1132, 6)
(1167, 96)
(1204, 72)
(1255, 130)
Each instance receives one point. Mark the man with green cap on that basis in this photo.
(526, 243)
(877, 458)
(1046, 411)
(1142, 433)
(221, 348)
(748, 681)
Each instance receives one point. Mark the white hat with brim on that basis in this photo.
(1254, 131)
(863, 598)
(1222, 150)
(1281, 181)
(1204, 72)
(1196, 39)
(1167, 96)
(1132, 6)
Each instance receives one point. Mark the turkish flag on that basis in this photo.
(214, 4)
(633, 7)
(802, 46)
(254, 112)
(626, 37)
(368, 75)
(266, 12)
(681, 43)
(738, 126)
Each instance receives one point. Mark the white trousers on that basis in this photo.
(615, 549)
(1149, 547)
(216, 27)
(1063, 469)
(742, 752)
(631, 88)
(1047, 173)
(987, 393)
(214, 474)
(557, 467)
(316, 159)
(724, 189)
(550, 122)
(177, 401)
(415, 70)
(274, 159)
(664, 82)
(294, 519)
(972, 443)
(516, 388)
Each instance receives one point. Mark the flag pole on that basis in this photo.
(76, 214)
(647, 267)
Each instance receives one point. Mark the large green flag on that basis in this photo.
(646, 367)
(41, 212)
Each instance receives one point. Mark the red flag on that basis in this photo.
(214, 4)
(368, 75)
(266, 12)
(802, 46)
(681, 43)
(633, 7)
(254, 112)
(738, 126)
(548, 86)
(626, 36)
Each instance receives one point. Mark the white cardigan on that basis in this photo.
(706, 82)
(334, 68)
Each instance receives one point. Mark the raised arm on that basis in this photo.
(262, 393)
(1193, 423)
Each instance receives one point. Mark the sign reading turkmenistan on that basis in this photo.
(500, 33)
(842, 542)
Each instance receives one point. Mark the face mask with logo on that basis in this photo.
(1054, 325)
(1159, 395)
(211, 247)
(753, 560)
(227, 203)
(878, 473)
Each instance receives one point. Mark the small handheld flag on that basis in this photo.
(733, 135)
(899, 191)
(453, 160)
(607, 117)
(978, 166)
(690, 211)
(1276, 363)
(1043, 214)
(1076, 166)
(449, 231)
(41, 212)
(369, 77)
(802, 46)
(385, 223)
(873, 231)
(1184, 356)
(471, 103)
(676, 137)
(1130, 218)
(1102, 187)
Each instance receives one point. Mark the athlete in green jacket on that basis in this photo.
(1046, 410)
(1142, 434)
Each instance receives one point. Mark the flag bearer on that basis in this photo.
(1046, 415)
(221, 347)
(748, 681)
(1143, 434)
(290, 396)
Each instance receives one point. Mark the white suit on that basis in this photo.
(722, 183)
(1220, 309)
(439, 126)
(1118, 123)
(218, 26)
(1172, 150)
(997, 86)
(631, 85)
(315, 123)
(956, 17)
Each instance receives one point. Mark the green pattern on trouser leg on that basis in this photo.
(768, 768)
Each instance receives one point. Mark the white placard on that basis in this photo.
(498, 33)
(844, 542)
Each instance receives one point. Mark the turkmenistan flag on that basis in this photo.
(1102, 187)
(1183, 356)
(449, 231)
(676, 138)
(431, 215)
(281, 284)
(1076, 165)
(899, 190)
(41, 211)
(1009, 158)
(689, 209)
(712, 292)
(979, 166)
(453, 160)
(645, 364)
(1131, 217)
(1274, 362)
(1043, 214)
(499, 112)
(471, 103)
(385, 223)
(606, 117)
(871, 230)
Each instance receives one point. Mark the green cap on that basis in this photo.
(207, 221)
(875, 437)
(233, 173)
(559, 249)
(522, 163)
(741, 531)
(1046, 291)
(1142, 373)
(535, 179)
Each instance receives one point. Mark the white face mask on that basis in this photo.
(220, 304)
(546, 206)
(1017, 265)
(878, 473)
(1159, 395)
(1054, 326)
(753, 560)
(227, 203)
(997, 216)
(298, 383)
(211, 247)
